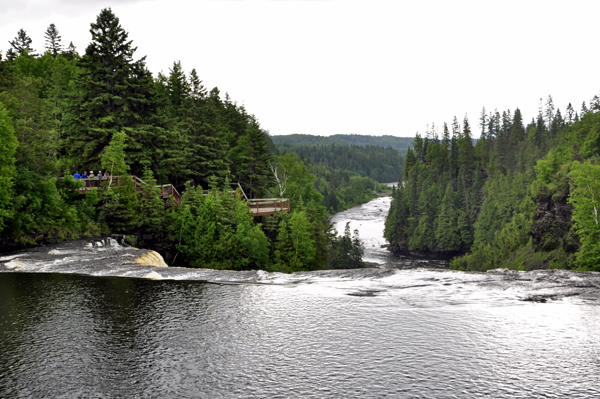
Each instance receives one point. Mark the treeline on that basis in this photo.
(382, 164)
(347, 174)
(399, 143)
(522, 197)
(61, 112)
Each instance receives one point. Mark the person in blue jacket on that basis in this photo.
(76, 175)
(84, 175)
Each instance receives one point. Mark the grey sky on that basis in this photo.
(342, 66)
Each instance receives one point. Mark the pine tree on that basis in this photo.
(410, 160)
(595, 104)
(115, 93)
(250, 160)
(178, 90)
(549, 111)
(152, 212)
(447, 235)
(197, 90)
(53, 41)
(21, 43)
(358, 250)
(113, 157)
(7, 164)
(570, 115)
(71, 52)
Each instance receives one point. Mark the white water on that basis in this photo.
(70, 329)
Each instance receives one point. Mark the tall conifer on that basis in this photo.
(53, 40)
(114, 92)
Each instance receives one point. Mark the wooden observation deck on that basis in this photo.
(258, 206)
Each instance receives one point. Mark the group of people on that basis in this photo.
(84, 175)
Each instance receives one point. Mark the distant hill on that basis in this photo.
(399, 143)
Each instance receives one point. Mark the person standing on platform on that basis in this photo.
(84, 175)
(76, 175)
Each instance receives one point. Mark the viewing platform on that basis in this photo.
(258, 206)
(166, 190)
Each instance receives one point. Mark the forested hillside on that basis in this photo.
(522, 197)
(399, 143)
(381, 164)
(62, 112)
(348, 167)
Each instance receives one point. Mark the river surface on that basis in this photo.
(79, 321)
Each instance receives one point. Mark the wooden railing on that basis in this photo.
(166, 190)
(169, 190)
(258, 206)
(268, 206)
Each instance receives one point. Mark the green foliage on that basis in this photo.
(217, 231)
(447, 234)
(40, 212)
(382, 164)
(295, 248)
(401, 144)
(487, 186)
(296, 182)
(585, 197)
(152, 210)
(7, 164)
(546, 168)
(546, 220)
(113, 157)
(120, 206)
(33, 124)
(590, 145)
(347, 251)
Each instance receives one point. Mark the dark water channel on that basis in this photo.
(85, 322)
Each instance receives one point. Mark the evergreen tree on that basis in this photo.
(358, 250)
(114, 93)
(411, 160)
(113, 157)
(570, 114)
(53, 40)
(585, 197)
(71, 52)
(152, 212)
(447, 235)
(7, 164)
(595, 104)
(465, 144)
(549, 111)
(21, 43)
(250, 160)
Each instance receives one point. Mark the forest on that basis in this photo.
(348, 168)
(62, 112)
(382, 164)
(401, 144)
(525, 196)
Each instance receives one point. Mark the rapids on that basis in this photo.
(85, 319)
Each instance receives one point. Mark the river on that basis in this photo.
(79, 320)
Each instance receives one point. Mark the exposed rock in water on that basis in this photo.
(153, 276)
(151, 258)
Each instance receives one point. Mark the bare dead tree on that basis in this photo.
(281, 181)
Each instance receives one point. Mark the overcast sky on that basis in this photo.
(352, 66)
